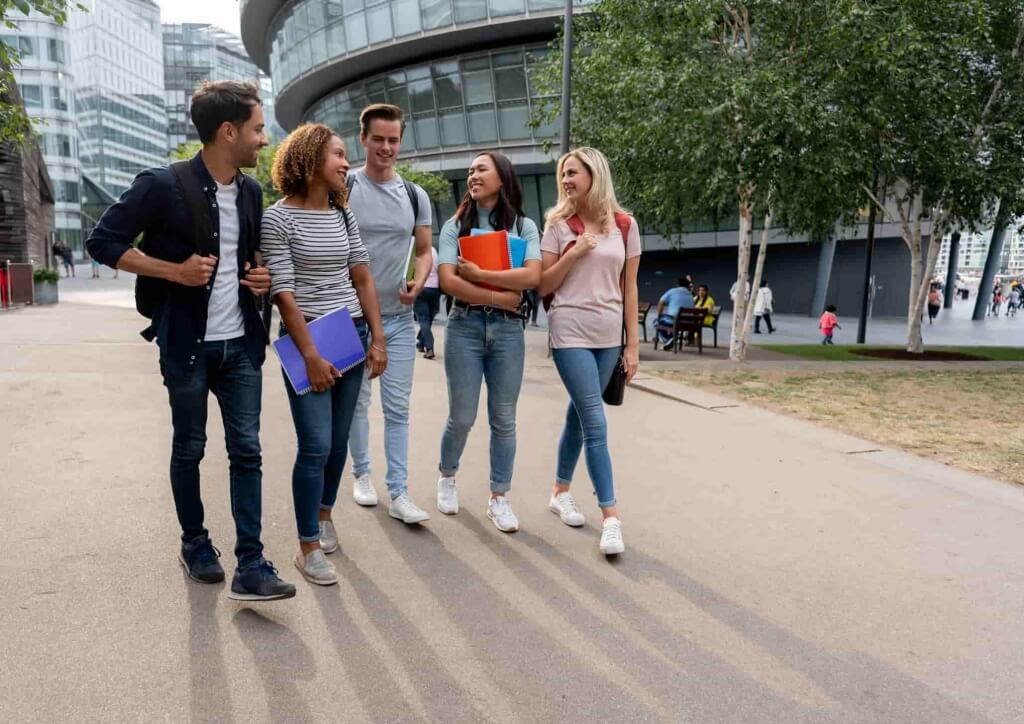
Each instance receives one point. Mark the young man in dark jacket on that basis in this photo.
(199, 279)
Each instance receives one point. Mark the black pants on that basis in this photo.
(767, 320)
(532, 304)
(933, 312)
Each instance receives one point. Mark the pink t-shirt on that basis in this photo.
(827, 322)
(587, 309)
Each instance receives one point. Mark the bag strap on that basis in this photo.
(197, 203)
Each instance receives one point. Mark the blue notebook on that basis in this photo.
(516, 247)
(336, 340)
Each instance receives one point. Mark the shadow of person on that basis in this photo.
(209, 692)
(373, 680)
(541, 677)
(864, 687)
(281, 658)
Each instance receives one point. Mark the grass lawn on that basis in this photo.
(846, 352)
(970, 418)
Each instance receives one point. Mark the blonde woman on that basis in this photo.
(592, 272)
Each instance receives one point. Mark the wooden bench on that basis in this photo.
(716, 312)
(643, 309)
(687, 320)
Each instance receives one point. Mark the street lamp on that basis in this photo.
(566, 76)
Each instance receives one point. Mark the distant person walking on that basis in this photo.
(934, 303)
(68, 257)
(764, 304)
(427, 305)
(1014, 302)
(997, 300)
(828, 324)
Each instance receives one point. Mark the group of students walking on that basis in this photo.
(340, 239)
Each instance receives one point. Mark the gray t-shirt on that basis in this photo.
(384, 214)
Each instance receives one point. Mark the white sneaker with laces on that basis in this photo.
(611, 537)
(363, 492)
(328, 536)
(407, 511)
(315, 568)
(447, 495)
(564, 505)
(500, 512)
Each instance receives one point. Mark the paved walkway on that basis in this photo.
(776, 572)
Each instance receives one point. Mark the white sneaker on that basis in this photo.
(611, 537)
(500, 513)
(315, 568)
(328, 536)
(406, 511)
(363, 492)
(447, 495)
(565, 506)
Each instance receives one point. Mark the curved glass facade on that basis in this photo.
(453, 103)
(308, 33)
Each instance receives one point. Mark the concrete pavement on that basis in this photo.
(775, 571)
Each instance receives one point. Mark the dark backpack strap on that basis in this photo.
(196, 202)
(350, 181)
(519, 226)
(414, 199)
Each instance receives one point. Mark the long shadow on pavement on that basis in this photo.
(543, 679)
(374, 683)
(209, 692)
(281, 658)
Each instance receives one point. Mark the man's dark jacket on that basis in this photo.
(155, 207)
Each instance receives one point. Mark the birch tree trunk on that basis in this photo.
(737, 341)
(926, 270)
(755, 284)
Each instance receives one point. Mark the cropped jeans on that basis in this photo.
(482, 347)
(585, 373)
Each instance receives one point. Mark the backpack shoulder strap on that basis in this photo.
(414, 199)
(575, 224)
(519, 226)
(350, 181)
(196, 202)
(625, 223)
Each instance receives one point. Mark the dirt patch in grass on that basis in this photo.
(926, 356)
(972, 419)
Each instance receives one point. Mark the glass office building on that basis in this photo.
(461, 70)
(197, 52)
(47, 87)
(118, 48)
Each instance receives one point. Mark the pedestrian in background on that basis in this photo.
(764, 304)
(828, 324)
(934, 303)
(427, 305)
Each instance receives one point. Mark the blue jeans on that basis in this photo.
(585, 374)
(223, 368)
(481, 346)
(395, 389)
(322, 421)
(427, 305)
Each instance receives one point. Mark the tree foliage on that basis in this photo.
(15, 124)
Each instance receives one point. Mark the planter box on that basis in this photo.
(45, 292)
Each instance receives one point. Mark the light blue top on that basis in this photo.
(448, 244)
(676, 299)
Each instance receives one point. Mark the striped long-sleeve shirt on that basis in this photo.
(310, 253)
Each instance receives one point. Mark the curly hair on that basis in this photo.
(299, 157)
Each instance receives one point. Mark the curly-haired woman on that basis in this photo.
(310, 244)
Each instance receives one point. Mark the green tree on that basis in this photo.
(15, 124)
(437, 187)
(261, 172)
(932, 90)
(710, 108)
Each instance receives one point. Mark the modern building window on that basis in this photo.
(58, 98)
(436, 13)
(56, 50)
(467, 11)
(406, 14)
(482, 127)
(378, 20)
(32, 95)
(355, 31)
(67, 191)
(507, 7)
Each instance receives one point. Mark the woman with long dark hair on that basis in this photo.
(484, 339)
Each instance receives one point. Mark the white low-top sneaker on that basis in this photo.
(500, 512)
(447, 495)
(315, 568)
(407, 511)
(611, 537)
(363, 492)
(328, 537)
(564, 505)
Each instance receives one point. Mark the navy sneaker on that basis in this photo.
(259, 582)
(199, 557)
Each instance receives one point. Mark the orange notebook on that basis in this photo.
(488, 251)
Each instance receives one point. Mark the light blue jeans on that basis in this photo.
(480, 347)
(585, 374)
(395, 389)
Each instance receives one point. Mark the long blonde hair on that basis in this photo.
(600, 200)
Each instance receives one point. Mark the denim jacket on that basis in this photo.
(155, 206)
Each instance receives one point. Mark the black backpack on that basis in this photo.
(151, 292)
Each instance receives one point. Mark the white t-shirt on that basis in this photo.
(224, 318)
